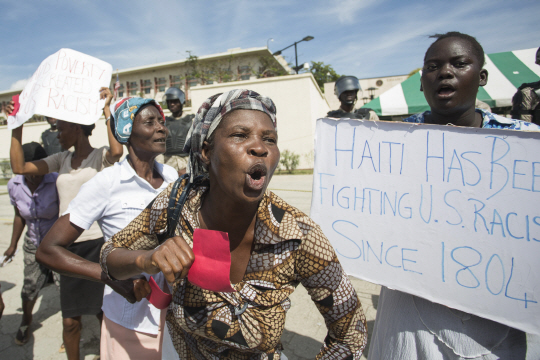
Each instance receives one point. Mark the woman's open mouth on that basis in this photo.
(256, 176)
(445, 91)
(161, 140)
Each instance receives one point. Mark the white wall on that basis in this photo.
(32, 132)
(298, 100)
(299, 104)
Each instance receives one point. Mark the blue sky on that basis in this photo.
(364, 38)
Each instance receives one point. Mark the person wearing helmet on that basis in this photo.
(178, 129)
(346, 89)
(49, 138)
(526, 101)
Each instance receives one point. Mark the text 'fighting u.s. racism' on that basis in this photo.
(446, 213)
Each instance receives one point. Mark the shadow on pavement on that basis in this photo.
(375, 301)
(49, 305)
(5, 286)
(299, 347)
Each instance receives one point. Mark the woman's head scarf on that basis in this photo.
(210, 115)
(123, 115)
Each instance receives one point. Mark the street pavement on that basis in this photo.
(304, 327)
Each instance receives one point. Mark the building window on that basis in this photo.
(193, 82)
(121, 90)
(244, 72)
(161, 83)
(175, 81)
(146, 86)
(132, 88)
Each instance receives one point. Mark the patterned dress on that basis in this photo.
(289, 248)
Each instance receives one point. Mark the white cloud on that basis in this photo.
(19, 84)
(346, 11)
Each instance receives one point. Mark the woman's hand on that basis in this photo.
(174, 258)
(9, 107)
(105, 93)
(9, 253)
(133, 290)
(116, 150)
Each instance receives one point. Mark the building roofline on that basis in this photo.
(234, 51)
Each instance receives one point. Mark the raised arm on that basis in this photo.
(18, 227)
(16, 156)
(333, 295)
(115, 148)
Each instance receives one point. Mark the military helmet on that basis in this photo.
(174, 93)
(345, 83)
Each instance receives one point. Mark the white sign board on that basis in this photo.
(65, 86)
(446, 213)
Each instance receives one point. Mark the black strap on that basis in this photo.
(174, 210)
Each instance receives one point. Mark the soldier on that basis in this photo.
(49, 138)
(178, 129)
(346, 89)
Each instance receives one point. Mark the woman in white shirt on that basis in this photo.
(113, 198)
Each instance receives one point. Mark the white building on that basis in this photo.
(298, 98)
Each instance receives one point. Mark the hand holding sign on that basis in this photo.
(208, 265)
(174, 258)
(13, 106)
(212, 266)
(65, 86)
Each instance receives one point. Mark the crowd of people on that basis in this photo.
(112, 228)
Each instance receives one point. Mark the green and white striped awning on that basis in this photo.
(507, 71)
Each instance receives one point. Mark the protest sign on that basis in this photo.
(446, 213)
(65, 86)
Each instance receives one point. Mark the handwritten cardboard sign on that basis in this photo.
(65, 86)
(449, 214)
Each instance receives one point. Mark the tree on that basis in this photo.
(323, 73)
(269, 67)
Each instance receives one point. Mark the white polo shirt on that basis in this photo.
(113, 198)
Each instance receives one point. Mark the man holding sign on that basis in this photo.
(441, 213)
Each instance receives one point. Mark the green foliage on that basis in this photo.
(219, 72)
(223, 70)
(323, 73)
(192, 63)
(289, 160)
(270, 67)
